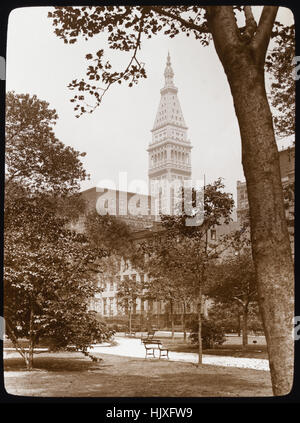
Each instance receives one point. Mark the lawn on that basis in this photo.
(67, 374)
(232, 346)
(232, 350)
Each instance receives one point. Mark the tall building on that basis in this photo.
(287, 171)
(169, 149)
(169, 160)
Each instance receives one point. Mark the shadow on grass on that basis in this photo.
(54, 364)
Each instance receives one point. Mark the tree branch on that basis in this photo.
(132, 59)
(161, 11)
(239, 300)
(251, 24)
(262, 37)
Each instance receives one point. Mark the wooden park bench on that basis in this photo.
(149, 336)
(155, 344)
(127, 333)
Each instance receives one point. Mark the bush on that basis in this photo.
(212, 333)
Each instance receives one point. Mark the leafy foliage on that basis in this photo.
(235, 279)
(212, 333)
(129, 290)
(35, 158)
(229, 317)
(49, 270)
(234, 283)
(110, 233)
(281, 67)
(125, 26)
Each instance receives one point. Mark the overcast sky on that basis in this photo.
(115, 137)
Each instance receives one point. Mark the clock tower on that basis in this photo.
(169, 149)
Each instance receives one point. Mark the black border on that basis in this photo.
(143, 403)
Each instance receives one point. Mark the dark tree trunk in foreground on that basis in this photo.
(243, 62)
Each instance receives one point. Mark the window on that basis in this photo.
(111, 311)
(213, 234)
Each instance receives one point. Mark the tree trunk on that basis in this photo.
(199, 333)
(172, 318)
(29, 363)
(130, 320)
(244, 66)
(184, 321)
(29, 355)
(245, 327)
(200, 325)
(239, 324)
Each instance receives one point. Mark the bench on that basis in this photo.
(127, 333)
(148, 337)
(155, 344)
(132, 333)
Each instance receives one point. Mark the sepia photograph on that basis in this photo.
(149, 203)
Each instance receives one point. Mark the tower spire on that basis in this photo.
(169, 73)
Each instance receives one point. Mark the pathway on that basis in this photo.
(132, 347)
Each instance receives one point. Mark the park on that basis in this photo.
(123, 371)
(103, 297)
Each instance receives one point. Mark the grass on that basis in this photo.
(67, 374)
(232, 350)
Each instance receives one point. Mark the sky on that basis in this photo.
(115, 137)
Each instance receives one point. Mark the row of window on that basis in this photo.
(108, 307)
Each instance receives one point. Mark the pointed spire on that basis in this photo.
(169, 73)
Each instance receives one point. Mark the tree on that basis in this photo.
(180, 257)
(109, 232)
(212, 333)
(235, 282)
(169, 277)
(128, 291)
(242, 51)
(49, 271)
(34, 157)
(49, 280)
(227, 316)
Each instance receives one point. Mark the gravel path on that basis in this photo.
(130, 347)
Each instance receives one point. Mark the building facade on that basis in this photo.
(287, 171)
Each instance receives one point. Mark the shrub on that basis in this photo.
(212, 333)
